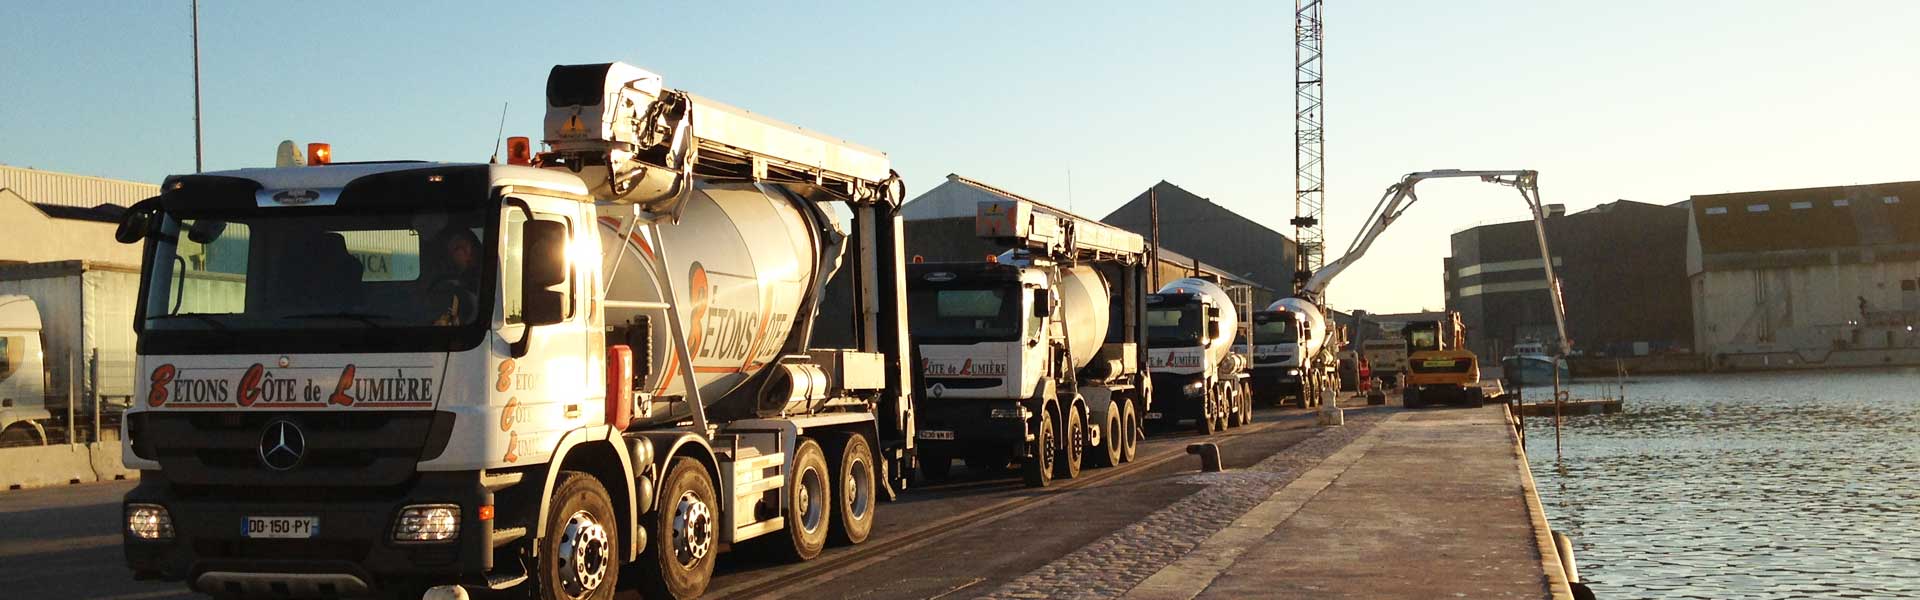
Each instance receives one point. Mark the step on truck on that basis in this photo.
(1198, 373)
(1034, 355)
(554, 374)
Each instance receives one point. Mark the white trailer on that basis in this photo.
(1033, 356)
(86, 343)
(594, 360)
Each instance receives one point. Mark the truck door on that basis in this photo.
(555, 386)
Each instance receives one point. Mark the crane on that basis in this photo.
(1309, 133)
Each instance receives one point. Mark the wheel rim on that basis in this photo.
(1046, 445)
(584, 554)
(859, 492)
(692, 529)
(810, 496)
(1076, 440)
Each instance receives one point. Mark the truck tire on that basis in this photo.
(1207, 422)
(1108, 454)
(809, 512)
(578, 558)
(935, 466)
(858, 492)
(1037, 470)
(1410, 398)
(682, 540)
(21, 434)
(1476, 398)
(1130, 431)
(1073, 445)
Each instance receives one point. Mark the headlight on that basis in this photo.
(1195, 389)
(1009, 413)
(149, 522)
(1293, 372)
(427, 523)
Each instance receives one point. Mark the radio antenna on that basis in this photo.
(495, 159)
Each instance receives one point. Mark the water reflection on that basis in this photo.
(1775, 485)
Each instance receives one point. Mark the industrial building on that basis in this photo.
(1621, 271)
(940, 227)
(1197, 227)
(1816, 277)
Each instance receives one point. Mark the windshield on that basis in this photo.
(1173, 327)
(965, 314)
(1273, 329)
(344, 271)
(1423, 337)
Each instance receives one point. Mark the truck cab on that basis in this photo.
(23, 380)
(1280, 356)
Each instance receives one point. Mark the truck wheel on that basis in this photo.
(935, 466)
(1130, 431)
(1205, 423)
(1476, 398)
(682, 541)
(20, 435)
(809, 502)
(1038, 469)
(1108, 454)
(1073, 445)
(853, 517)
(579, 558)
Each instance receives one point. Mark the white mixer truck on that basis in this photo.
(1033, 356)
(1198, 373)
(1286, 337)
(591, 359)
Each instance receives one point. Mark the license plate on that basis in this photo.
(1153, 415)
(936, 435)
(281, 527)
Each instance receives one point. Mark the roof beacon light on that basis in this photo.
(319, 154)
(519, 151)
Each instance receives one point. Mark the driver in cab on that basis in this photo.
(453, 295)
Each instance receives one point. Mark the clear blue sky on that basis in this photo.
(1649, 101)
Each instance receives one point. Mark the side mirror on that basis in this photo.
(544, 265)
(1042, 303)
(205, 231)
(138, 221)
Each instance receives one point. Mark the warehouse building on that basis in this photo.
(1816, 277)
(1621, 271)
(940, 227)
(1197, 227)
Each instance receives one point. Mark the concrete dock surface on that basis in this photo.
(1434, 503)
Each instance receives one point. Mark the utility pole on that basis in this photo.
(1309, 166)
(197, 164)
(1153, 236)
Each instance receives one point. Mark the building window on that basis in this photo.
(1891, 199)
(1840, 203)
(1801, 205)
(1716, 210)
(1757, 208)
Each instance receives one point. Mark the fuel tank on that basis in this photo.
(1312, 320)
(744, 261)
(1220, 341)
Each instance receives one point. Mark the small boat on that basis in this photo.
(1529, 364)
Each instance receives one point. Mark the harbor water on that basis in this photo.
(1747, 485)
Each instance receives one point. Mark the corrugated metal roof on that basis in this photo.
(1817, 219)
(67, 189)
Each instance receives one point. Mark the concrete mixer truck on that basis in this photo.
(1033, 356)
(1198, 372)
(593, 358)
(1286, 336)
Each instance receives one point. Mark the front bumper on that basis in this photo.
(353, 540)
(977, 426)
(1171, 402)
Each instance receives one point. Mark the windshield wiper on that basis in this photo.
(367, 318)
(207, 318)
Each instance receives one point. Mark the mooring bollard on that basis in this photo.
(1209, 456)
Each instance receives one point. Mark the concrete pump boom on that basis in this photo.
(1400, 196)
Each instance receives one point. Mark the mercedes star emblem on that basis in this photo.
(282, 445)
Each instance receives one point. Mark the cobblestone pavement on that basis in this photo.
(1110, 566)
